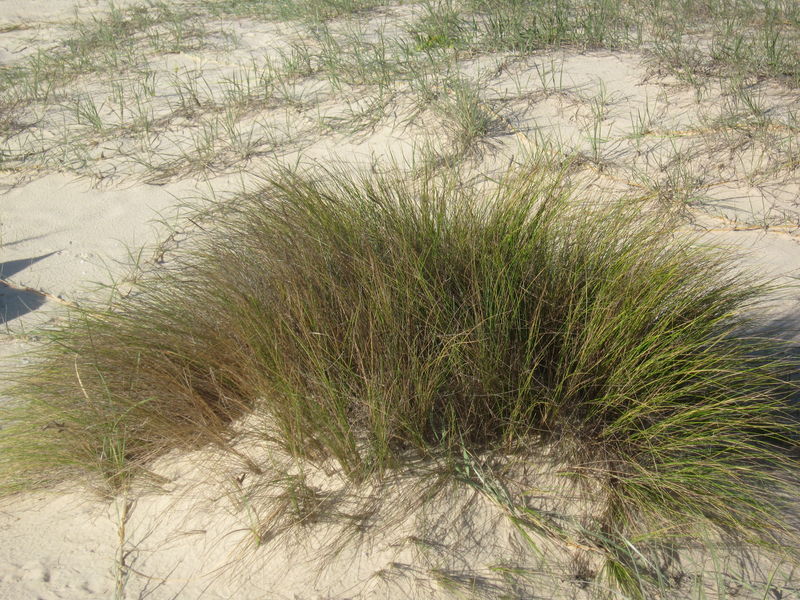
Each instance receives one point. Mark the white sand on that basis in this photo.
(62, 234)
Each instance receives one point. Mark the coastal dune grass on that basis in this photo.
(371, 321)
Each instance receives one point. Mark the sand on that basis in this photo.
(67, 232)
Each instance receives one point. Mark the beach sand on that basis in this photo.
(69, 228)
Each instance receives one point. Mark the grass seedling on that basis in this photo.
(597, 137)
(465, 109)
(87, 112)
(250, 86)
(242, 142)
(551, 75)
(190, 99)
(645, 120)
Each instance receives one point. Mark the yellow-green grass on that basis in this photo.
(376, 321)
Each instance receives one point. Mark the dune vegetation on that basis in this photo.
(505, 293)
(382, 321)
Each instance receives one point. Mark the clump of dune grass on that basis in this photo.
(372, 321)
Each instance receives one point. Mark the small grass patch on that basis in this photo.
(311, 11)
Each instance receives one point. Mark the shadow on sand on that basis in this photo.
(16, 302)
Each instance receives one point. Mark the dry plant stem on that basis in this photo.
(123, 505)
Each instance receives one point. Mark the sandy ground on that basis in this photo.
(64, 234)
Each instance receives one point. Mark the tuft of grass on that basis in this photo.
(373, 321)
(468, 117)
(441, 26)
(312, 11)
(522, 26)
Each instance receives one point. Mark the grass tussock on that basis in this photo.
(374, 320)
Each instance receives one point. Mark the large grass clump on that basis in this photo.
(370, 321)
